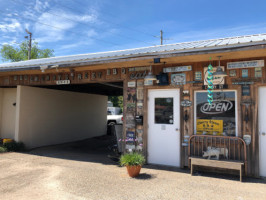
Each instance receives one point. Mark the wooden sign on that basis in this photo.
(63, 82)
(177, 69)
(245, 64)
(186, 103)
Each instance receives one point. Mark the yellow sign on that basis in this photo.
(209, 127)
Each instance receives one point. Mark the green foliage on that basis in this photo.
(13, 54)
(117, 101)
(3, 149)
(132, 159)
(14, 146)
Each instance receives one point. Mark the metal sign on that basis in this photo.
(243, 83)
(245, 64)
(177, 69)
(217, 80)
(186, 103)
(63, 82)
(209, 126)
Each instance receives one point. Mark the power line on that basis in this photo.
(132, 29)
(63, 29)
(115, 24)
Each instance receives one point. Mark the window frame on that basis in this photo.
(195, 108)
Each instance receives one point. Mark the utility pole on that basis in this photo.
(29, 45)
(161, 37)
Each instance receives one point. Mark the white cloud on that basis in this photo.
(41, 5)
(12, 26)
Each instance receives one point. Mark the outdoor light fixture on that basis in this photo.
(43, 67)
(150, 76)
(219, 70)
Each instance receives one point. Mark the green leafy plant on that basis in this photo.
(132, 159)
(14, 146)
(3, 149)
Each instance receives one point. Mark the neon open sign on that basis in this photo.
(217, 107)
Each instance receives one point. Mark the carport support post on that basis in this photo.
(16, 137)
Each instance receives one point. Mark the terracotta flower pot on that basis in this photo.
(134, 170)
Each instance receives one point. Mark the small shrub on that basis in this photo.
(132, 159)
(14, 146)
(3, 149)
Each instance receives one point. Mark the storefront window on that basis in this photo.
(219, 118)
(164, 111)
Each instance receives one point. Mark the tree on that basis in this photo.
(13, 54)
(116, 100)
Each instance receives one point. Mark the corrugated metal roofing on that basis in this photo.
(212, 44)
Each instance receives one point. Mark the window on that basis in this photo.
(164, 111)
(220, 117)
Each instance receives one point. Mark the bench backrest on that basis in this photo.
(233, 147)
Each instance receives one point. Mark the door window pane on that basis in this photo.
(164, 111)
(219, 118)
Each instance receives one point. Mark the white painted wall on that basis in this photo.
(47, 117)
(7, 112)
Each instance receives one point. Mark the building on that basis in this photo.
(39, 107)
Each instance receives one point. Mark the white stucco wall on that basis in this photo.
(7, 112)
(47, 117)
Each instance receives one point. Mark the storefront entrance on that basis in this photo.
(164, 127)
(262, 130)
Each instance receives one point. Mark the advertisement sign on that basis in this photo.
(217, 80)
(209, 127)
(245, 64)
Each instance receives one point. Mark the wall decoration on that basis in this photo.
(43, 78)
(206, 126)
(36, 78)
(130, 136)
(123, 71)
(232, 73)
(15, 78)
(162, 79)
(210, 84)
(131, 84)
(25, 77)
(93, 75)
(131, 95)
(186, 103)
(54, 77)
(131, 107)
(137, 75)
(140, 83)
(177, 69)
(244, 73)
(217, 80)
(148, 82)
(178, 79)
(198, 75)
(99, 74)
(130, 120)
(258, 72)
(245, 90)
(79, 76)
(67, 77)
(136, 69)
(140, 93)
(114, 71)
(245, 64)
(108, 72)
(86, 75)
(21, 77)
(59, 77)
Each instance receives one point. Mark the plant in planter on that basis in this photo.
(133, 162)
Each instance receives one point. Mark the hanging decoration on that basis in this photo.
(210, 84)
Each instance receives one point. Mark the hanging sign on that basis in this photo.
(177, 69)
(245, 64)
(63, 82)
(209, 126)
(186, 103)
(178, 79)
(217, 80)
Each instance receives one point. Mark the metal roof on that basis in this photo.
(213, 44)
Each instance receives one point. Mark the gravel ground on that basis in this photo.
(76, 173)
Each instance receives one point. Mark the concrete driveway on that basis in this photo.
(82, 171)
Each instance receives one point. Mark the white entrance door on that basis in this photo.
(163, 127)
(262, 130)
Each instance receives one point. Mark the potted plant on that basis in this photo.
(133, 162)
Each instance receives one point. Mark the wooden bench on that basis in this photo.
(236, 158)
(217, 164)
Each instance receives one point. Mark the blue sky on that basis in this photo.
(82, 26)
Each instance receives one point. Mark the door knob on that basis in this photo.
(177, 129)
(263, 133)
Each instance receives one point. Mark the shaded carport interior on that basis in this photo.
(77, 92)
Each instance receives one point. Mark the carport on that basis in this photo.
(44, 115)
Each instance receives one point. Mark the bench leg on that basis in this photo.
(240, 173)
(191, 170)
